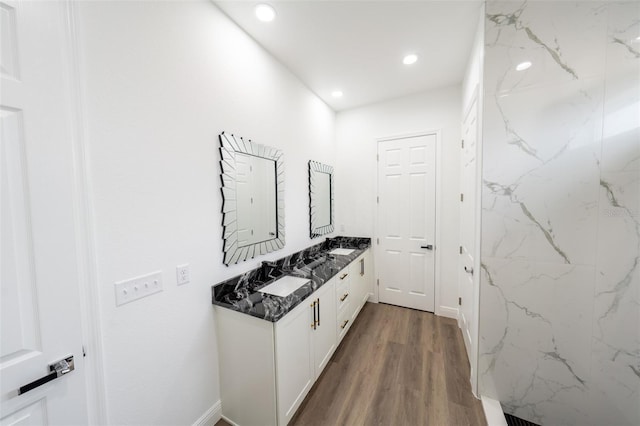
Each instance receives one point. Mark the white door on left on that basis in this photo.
(40, 304)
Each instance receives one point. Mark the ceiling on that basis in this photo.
(358, 46)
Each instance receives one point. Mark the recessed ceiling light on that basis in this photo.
(336, 93)
(410, 59)
(523, 66)
(265, 12)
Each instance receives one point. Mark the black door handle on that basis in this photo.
(428, 247)
(57, 369)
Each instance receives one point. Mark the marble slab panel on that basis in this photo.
(563, 40)
(560, 284)
(535, 343)
(621, 138)
(540, 173)
(616, 316)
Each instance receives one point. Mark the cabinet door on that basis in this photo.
(365, 273)
(324, 336)
(357, 289)
(360, 274)
(294, 359)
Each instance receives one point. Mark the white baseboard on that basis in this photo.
(446, 311)
(229, 421)
(493, 412)
(211, 416)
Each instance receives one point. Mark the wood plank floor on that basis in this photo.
(396, 366)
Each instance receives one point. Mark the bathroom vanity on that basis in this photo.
(279, 325)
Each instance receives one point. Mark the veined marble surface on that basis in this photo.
(241, 293)
(560, 284)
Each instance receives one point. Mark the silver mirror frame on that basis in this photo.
(315, 230)
(229, 146)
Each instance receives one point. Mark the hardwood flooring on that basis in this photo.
(395, 366)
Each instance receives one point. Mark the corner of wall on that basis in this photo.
(211, 416)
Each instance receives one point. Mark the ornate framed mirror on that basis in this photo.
(252, 178)
(321, 204)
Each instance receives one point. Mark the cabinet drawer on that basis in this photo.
(342, 295)
(344, 275)
(344, 321)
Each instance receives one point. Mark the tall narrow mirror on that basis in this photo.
(253, 198)
(321, 204)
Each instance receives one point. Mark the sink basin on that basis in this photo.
(342, 252)
(284, 286)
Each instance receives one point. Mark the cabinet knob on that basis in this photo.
(344, 324)
(344, 297)
(344, 276)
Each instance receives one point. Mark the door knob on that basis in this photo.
(468, 270)
(428, 247)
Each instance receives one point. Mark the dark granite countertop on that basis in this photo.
(241, 293)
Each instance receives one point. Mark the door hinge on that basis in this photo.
(460, 301)
(84, 352)
(378, 240)
(377, 157)
(378, 199)
(461, 197)
(460, 249)
(378, 282)
(463, 143)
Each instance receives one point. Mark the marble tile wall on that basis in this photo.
(560, 284)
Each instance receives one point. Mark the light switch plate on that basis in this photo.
(138, 287)
(182, 274)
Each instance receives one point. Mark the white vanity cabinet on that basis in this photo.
(305, 339)
(267, 369)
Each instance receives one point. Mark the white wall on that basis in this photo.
(161, 81)
(473, 73)
(356, 133)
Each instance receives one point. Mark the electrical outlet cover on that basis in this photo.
(182, 274)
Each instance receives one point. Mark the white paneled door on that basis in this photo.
(468, 223)
(40, 305)
(406, 221)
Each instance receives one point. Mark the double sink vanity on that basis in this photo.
(279, 324)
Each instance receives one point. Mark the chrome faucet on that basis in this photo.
(264, 266)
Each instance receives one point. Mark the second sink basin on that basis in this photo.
(284, 286)
(342, 251)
